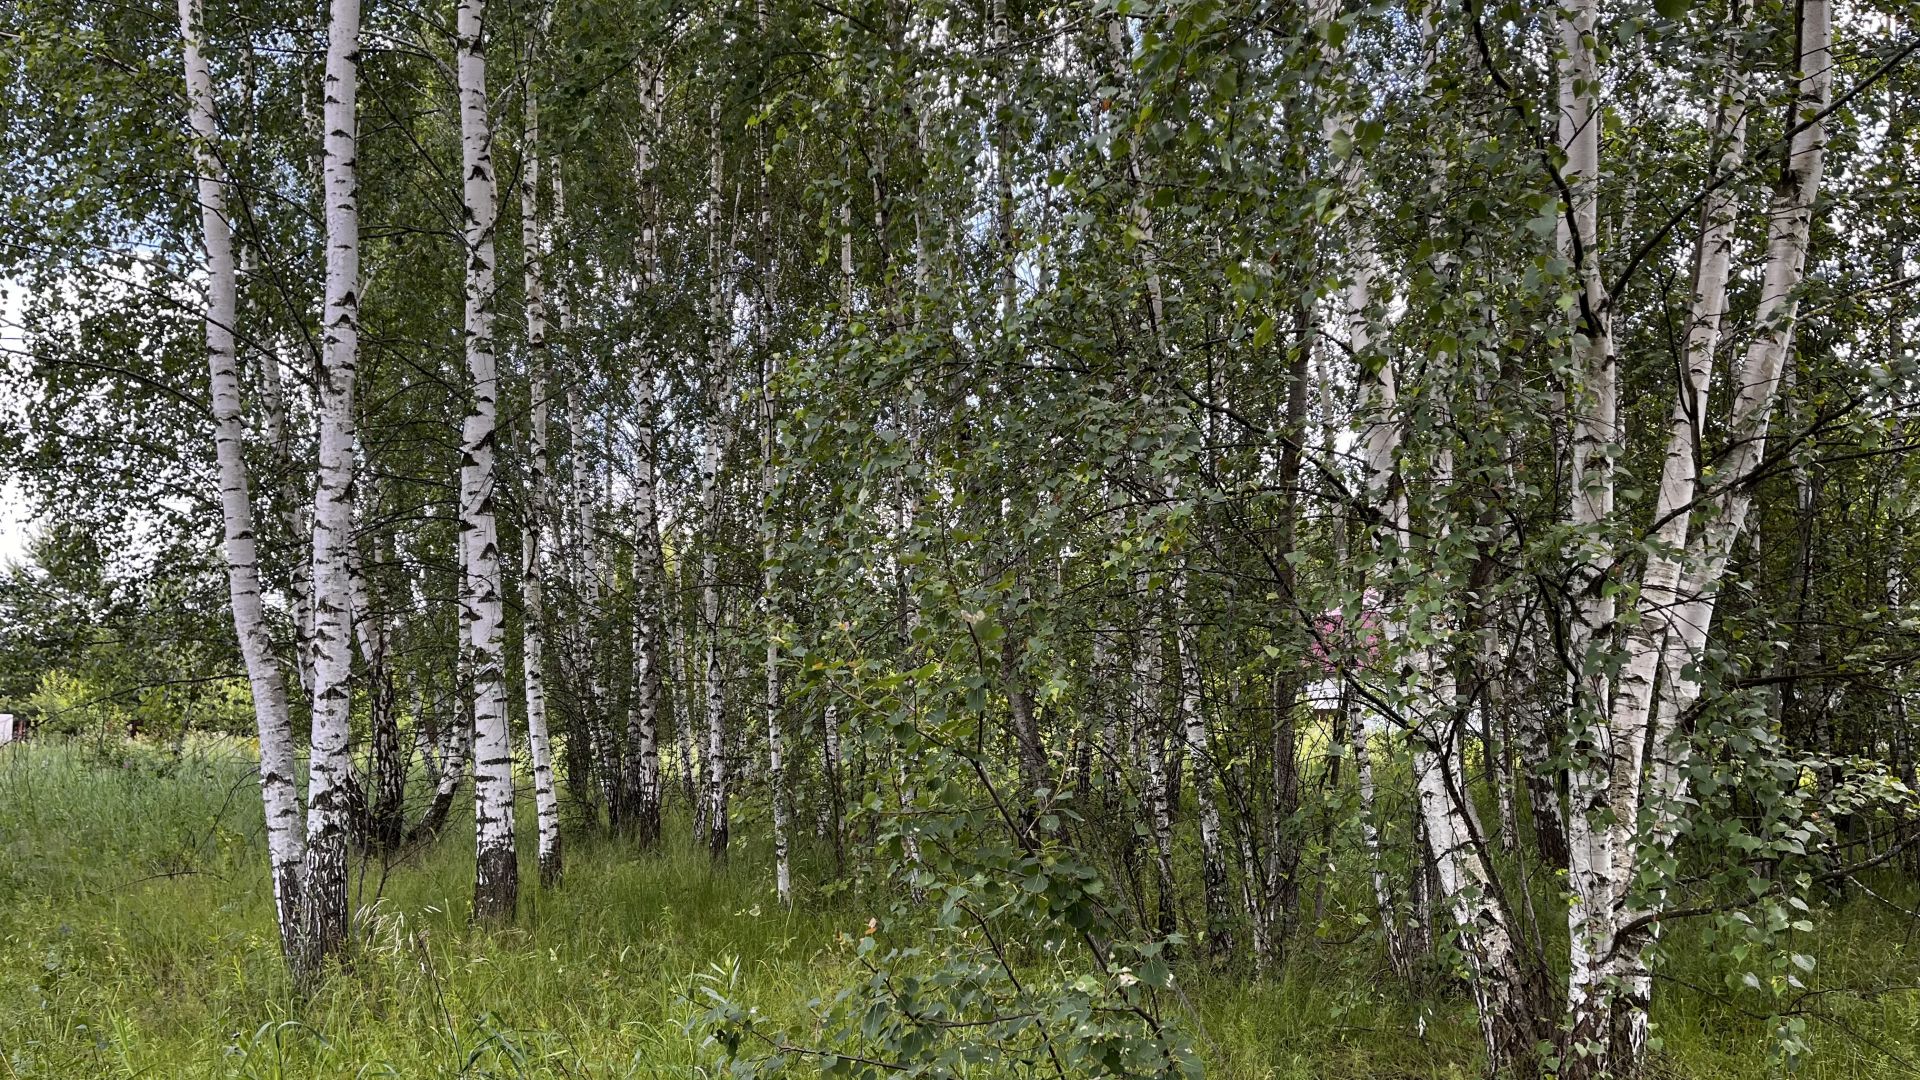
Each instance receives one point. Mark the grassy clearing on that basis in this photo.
(136, 939)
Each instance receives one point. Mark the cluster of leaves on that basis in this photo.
(1000, 951)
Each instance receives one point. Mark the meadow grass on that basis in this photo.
(137, 940)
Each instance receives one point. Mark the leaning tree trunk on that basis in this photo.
(1660, 605)
(454, 752)
(1502, 990)
(496, 872)
(286, 843)
(1757, 381)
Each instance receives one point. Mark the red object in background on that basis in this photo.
(1337, 644)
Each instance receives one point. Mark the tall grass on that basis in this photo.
(137, 940)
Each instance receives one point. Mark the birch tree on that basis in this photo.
(534, 556)
(496, 876)
(333, 544)
(650, 646)
(1675, 616)
(286, 839)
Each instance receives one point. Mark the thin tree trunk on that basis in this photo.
(546, 803)
(588, 780)
(712, 453)
(1146, 685)
(1191, 721)
(643, 734)
(496, 872)
(1349, 718)
(1282, 889)
(329, 776)
(1592, 400)
(1029, 752)
(776, 775)
(1500, 987)
(294, 518)
(835, 767)
(686, 744)
(286, 842)
(387, 815)
(643, 729)
(386, 811)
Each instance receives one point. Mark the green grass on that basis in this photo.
(137, 939)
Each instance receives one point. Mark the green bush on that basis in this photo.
(65, 704)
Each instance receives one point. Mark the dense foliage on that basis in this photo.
(1137, 488)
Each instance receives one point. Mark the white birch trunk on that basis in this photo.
(386, 806)
(496, 874)
(1105, 677)
(546, 801)
(1353, 720)
(593, 776)
(329, 779)
(643, 730)
(687, 741)
(1426, 690)
(1002, 170)
(1592, 399)
(1727, 499)
(714, 762)
(776, 776)
(1191, 721)
(1349, 721)
(1146, 681)
(712, 453)
(1379, 442)
(649, 646)
(826, 811)
(293, 518)
(443, 746)
(286, 842)
(1660, 607)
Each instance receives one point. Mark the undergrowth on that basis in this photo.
(137, 940)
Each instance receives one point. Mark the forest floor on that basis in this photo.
(137, 939)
